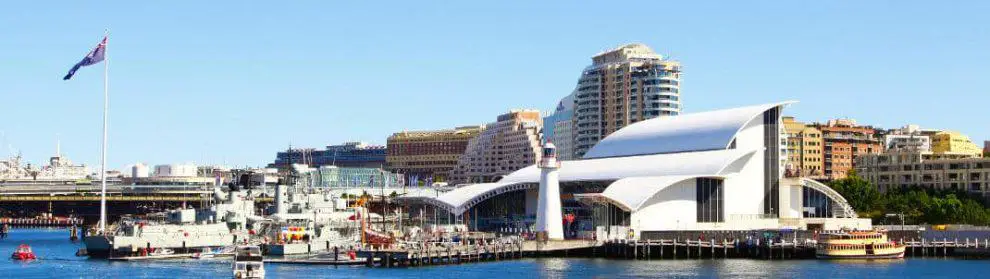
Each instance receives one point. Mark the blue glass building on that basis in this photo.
(347, 155)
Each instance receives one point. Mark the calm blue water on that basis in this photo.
(57, 259)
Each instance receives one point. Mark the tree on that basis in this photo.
(860, 194)
(919, 205)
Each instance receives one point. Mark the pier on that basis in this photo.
(458, 254)
(772, 250)
(440, 255)
(947, 247)
(707, 249)
(40, 223)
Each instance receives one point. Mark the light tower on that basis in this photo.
(548, 214)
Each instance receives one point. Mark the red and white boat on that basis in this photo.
(23, 252)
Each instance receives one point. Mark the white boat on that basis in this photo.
(248, 262)
(162, 252)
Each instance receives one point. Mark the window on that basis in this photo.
(710, 200)
(771, 183)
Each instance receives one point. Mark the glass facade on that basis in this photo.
(771, 161)
(710, 200)
(351, 154)
(335, 177)
(816, 204)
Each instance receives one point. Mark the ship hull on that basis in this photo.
(97, 246)
(182, 238)
(896, 255)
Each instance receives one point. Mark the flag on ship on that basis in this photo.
(95, 56)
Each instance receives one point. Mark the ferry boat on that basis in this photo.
(858, 245)
(248, 262)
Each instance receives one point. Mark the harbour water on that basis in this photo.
(57, 260)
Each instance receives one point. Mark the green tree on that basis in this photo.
(919, 205)
(860, 194)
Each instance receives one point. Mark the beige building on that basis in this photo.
(425, 157)
(804, 149)
(509, 144)
(844, 141)
(912, 168)
(950, 142)
(623, 86)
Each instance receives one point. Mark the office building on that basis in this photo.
(349, 154)
(557, 128)
(347, 177)
(426, 157)
(507, 145)
(623, 86)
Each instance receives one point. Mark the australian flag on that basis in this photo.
(93, 57)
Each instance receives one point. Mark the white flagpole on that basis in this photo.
(103, 151)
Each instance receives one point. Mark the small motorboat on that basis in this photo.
(248, 262)
(23, 252)
(161, 252)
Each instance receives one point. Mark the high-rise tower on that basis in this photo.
(621, 87)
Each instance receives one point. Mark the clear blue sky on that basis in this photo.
(235, 81)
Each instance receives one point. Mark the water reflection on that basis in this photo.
(554, 268)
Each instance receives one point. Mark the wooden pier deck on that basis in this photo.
(435, 255)
(317, 261)
(770, 250)
(947, 247)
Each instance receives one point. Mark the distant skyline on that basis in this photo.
(234, 82)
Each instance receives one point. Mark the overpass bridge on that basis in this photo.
(116, 193)
(84, 200)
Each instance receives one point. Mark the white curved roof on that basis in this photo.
(627, 170)
(631, 193)
(714, 162)
(710, 130)
(458, 200)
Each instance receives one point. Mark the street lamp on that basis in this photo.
(901, 215)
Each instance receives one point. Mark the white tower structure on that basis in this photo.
(548, 214)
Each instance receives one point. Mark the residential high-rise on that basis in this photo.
(509, 144)
(423, 157)
(805, 156)
(623, 86)
(557, 128)
(845, 141)
(952, 142)
(349, 154)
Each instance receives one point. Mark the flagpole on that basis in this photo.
(103, 150)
